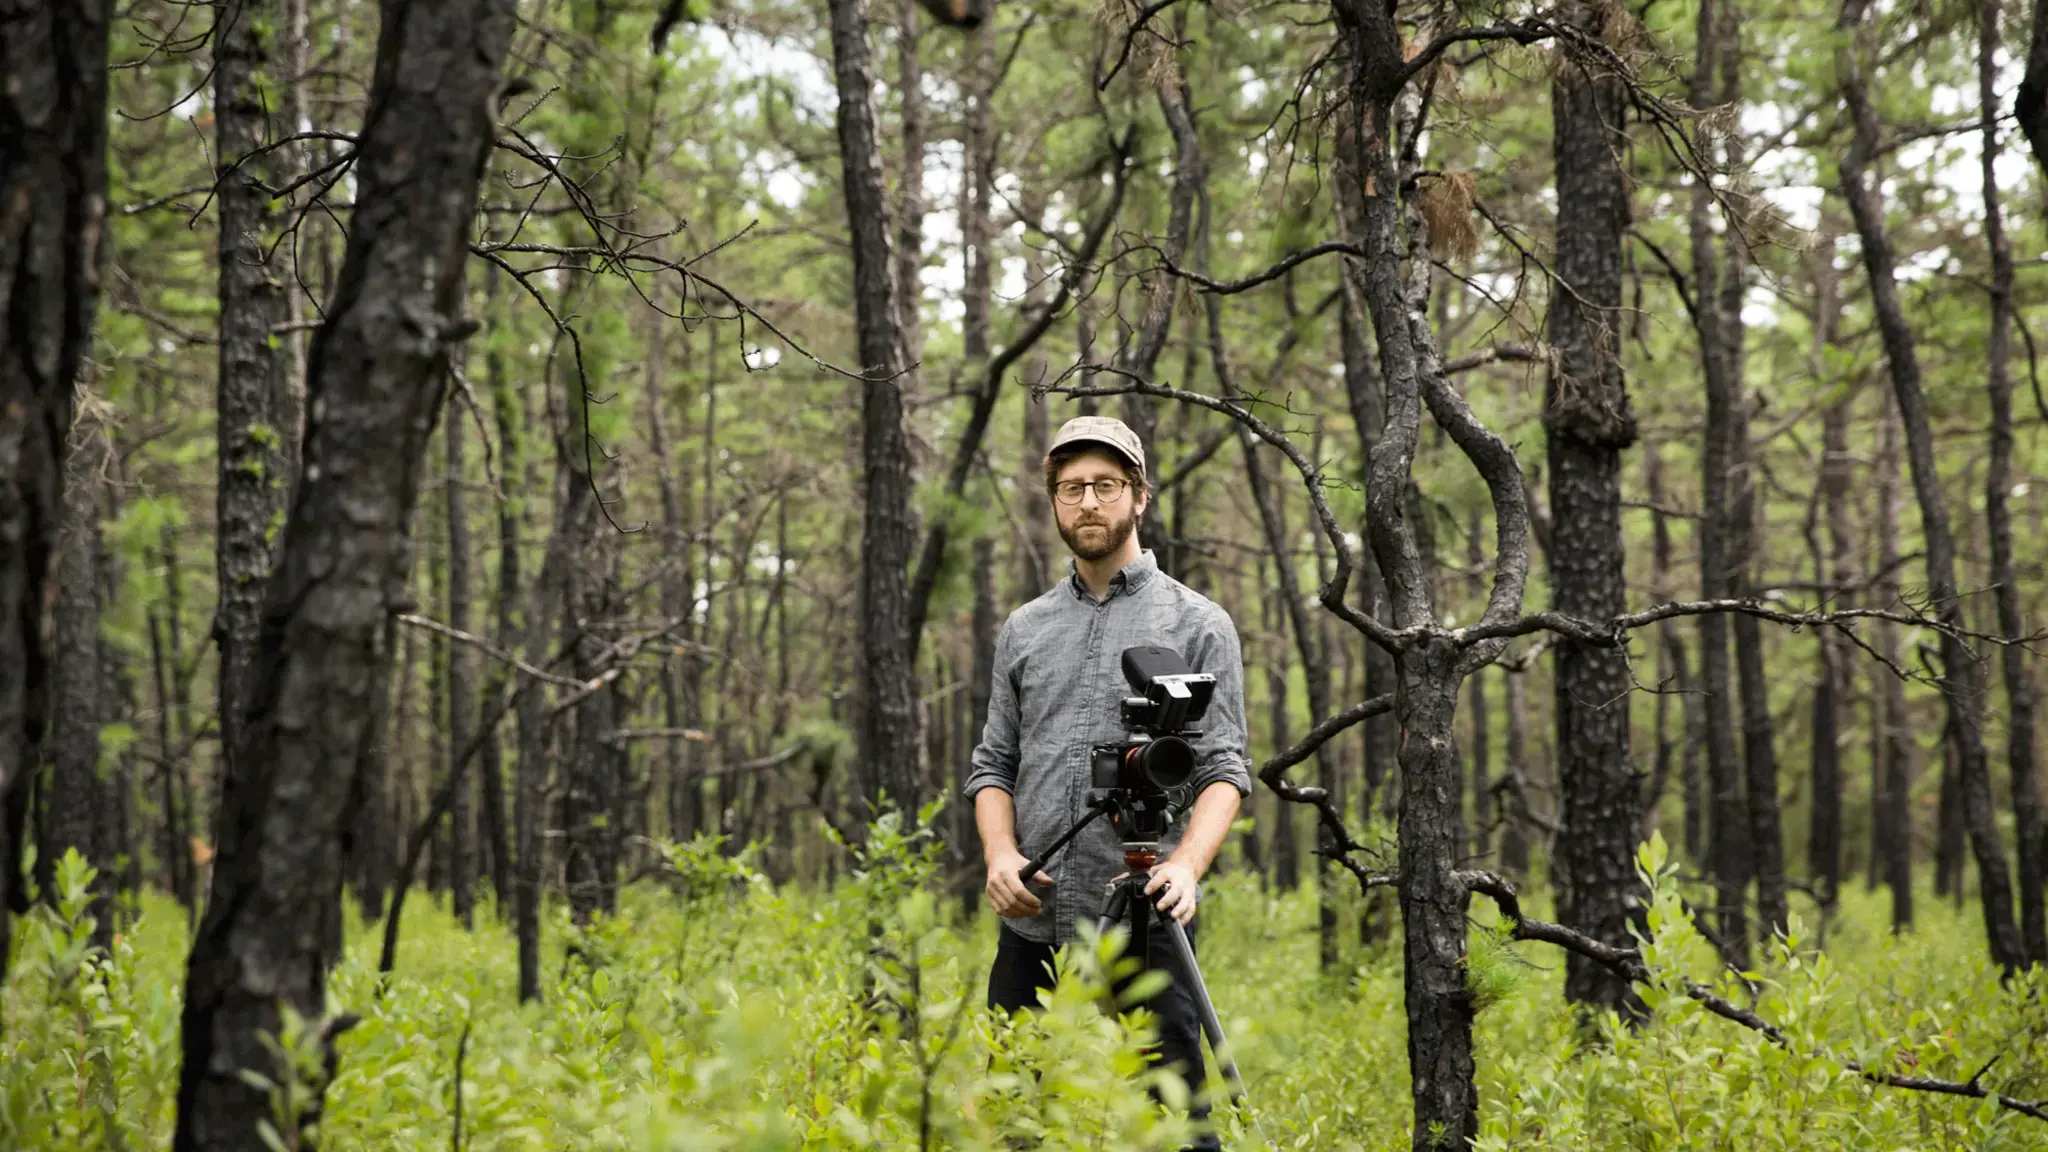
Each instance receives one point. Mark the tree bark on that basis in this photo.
(545, 607)
(1286, 848)
(1892, 826)
(1830, 698)
(1514, 838)
(1961, 681)
(1587, 418)
(511, 464)
(462, 706)
(272, 927)
(887, 731)
(1728, 852)
(2019, 687)
(909, 215)
(53, 205)
(251, 425)
(77, 808)
(1433, 895)
(1479, 746)
(2032, 102)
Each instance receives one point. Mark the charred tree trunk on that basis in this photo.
(1587, 418)
(675, 594)
(462, 706)
(1728, 851)
(1479, 747)
(1671, 671)
(491, 758)
(1962, 682)
(887, 731)
(909, 215)
(1517, 828)
(79, 816)
(1831, 696)
(2019, 686)
(255, 419)
(1892, 825)
(53, 181)
(536, 730)
(1286, 848)
(272, 927)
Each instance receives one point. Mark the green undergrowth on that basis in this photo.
(716, 1011)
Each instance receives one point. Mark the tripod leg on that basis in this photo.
(1114, 908)
(1205, 1009)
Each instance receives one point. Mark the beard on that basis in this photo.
(1094, 539)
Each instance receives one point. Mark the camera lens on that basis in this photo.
(1166, 762)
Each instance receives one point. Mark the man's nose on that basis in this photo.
(1088, 497)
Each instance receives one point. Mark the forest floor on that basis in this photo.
(716, 1011)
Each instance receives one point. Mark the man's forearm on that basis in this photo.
(1215, 810)
(995, 815)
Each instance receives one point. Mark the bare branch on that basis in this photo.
(1628, 963)
(1324, 732)
(1286, 265)
(489, 649)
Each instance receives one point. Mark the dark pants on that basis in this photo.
(1023, 967)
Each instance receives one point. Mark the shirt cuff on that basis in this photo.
(1227, 769)
(987, 779)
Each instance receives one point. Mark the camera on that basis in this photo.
(1142, 773)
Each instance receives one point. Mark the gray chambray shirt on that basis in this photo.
(1058, 685)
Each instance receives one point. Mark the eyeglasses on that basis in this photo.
(1107, 491)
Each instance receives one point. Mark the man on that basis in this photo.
(1057, 688)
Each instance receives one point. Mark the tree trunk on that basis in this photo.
(1834, 572)
(1824, 833)
(1728, 851)
(1286, 850)
(675, 595)
(1587, 418)
(909, 215)
(1892, 825)
(77, 808)
(1515, 834)
(589, 860)
(986, 622)
(462, 706)
(546, 605)
(1479, 746)
(53, 181)
(511, 465)
(272, 927)
(2019, 687)
(1673, 676)
(887, 732)
(2031, 105)
(250, 423)
(1961, 683)
(1433, 904)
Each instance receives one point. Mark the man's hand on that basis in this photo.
(1177, 888)
(1006, 893)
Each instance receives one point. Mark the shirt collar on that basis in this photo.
(1128, 579)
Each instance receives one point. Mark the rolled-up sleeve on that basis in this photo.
(994, 764)
(1220, 752)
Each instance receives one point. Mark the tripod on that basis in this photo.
(1127, 903)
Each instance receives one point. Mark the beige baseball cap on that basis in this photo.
(1105, 430)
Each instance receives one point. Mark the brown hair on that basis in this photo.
(1061, 457)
